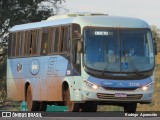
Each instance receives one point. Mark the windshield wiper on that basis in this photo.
(105, 68)
(135, 70)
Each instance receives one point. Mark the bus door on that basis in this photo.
(76, 61)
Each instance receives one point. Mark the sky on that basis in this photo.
(148, 10)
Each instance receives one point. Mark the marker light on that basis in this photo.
(91, 85)
(148, 86)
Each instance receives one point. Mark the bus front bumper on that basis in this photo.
(101, 94)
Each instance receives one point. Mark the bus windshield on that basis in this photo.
(118, 50)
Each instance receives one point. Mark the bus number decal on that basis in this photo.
(134, 84)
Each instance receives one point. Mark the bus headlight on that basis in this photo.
(91, 85)
(148, 86)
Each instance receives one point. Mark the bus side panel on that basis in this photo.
(55, 71)
(15, 89)
(77, 86)
(36, 89)
(11, 86)
(12, 89)
(20, 88)
(75, 83)
(54, 88)
(15, 85)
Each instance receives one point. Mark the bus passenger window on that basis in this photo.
(61, 41)
(17, 43)
(52, 40)
(21, 48)
(27, 41)
(31, 46)
(66, 39)
(44, 43)
(56, 42)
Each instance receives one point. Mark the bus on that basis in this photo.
(81, 60)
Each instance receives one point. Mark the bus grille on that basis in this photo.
(112, 96)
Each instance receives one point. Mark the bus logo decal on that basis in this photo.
(19, 67)
(34, 67)
(125, 65)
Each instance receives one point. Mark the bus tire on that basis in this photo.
(130, 107)
(43, 106)
(72, 106)
(32, 105)
(89, 107)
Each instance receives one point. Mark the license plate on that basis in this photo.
(120, 95)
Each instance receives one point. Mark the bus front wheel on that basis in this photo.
(32, 105)
(89, 107)
(72, 106)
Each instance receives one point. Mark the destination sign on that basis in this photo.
(105, 33)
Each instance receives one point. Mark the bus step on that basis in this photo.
(56, 108)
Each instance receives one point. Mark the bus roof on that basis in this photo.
(100, 20)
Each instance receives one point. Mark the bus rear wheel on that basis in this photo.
(72, 106)
(32, 105)
(43, 106)
(130, 107)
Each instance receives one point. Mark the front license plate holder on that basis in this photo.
(120, 95)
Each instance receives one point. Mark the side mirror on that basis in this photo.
(80, 47)
(155, 46)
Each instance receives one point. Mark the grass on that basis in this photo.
(155, 106)
(10, 105)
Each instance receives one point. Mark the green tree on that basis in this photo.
(156, 35)
(13, 12)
